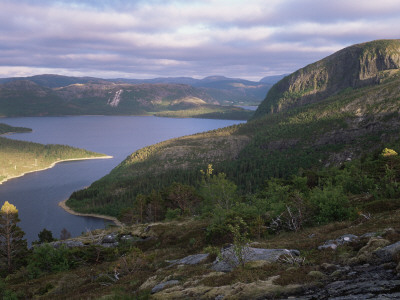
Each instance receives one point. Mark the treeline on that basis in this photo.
(357, 189)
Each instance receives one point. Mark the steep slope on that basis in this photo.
(353, 67)
(334, 129)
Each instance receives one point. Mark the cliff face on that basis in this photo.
(353, 67)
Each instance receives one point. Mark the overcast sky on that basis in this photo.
(154, 38)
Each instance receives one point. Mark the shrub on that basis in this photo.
(330, 205)
(172, 214)
(46, 259)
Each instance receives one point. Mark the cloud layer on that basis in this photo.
(143, 39)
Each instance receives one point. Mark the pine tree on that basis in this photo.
(13, 247)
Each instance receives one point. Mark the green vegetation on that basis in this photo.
(20, 157)
(323, 164)
(283, 214)
(4, 129)
(209, 112)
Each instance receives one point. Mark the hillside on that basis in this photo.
(353, 67)
(335, 129)
(43, 95)
(26, 98)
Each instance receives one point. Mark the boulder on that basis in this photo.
(228, 260)
(190, 260)
(67, 243)
(388, 253)
(365, 254)
(333, 244)
(159, 287)
(109, 239)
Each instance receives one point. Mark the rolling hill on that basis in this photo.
(62, 95)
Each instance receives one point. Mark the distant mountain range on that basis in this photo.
(61, 95)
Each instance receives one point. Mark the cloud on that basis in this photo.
(237, 38)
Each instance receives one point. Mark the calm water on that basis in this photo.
(37, 195)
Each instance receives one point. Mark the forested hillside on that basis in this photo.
(340, 123)
(20, 157)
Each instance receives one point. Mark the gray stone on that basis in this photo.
(109, 239)
(159, 287)
(229, 260)
(333, 244)
(190, 260)
(68, 244)
(389, 252)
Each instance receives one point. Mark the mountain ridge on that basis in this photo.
(352, 67)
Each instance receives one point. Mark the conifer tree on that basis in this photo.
(12, 245)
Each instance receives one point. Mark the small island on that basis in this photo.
(18, 158)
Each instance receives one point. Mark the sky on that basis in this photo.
(246, 39)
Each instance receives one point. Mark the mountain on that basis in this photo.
(57, 92)
(27, 98)
(272, 79)
(353, 67)
(353, 111)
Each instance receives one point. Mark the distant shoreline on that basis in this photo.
(64, 206)
(53, 164)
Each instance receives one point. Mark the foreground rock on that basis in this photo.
(190, 260)
(260, 289)
(229, 259)
(358, 283)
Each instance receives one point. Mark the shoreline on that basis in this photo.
(64, 206)
(53, 164)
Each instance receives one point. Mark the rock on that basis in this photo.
(68, 244)
(389, 252)
(369, 235)
(365, 254)
(316, 274)
(361, 282)
(333, 244)
(150, 282)
(253, 290)
(159, 287)
(229, 259)
(190, 260)
(328, 267)
(109, 239)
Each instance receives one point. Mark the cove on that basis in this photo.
(36, 195)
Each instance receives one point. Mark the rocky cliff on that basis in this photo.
(353, 67)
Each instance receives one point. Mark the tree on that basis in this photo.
(65, 234)
(12, 245)
(45, 236)
(182, 196)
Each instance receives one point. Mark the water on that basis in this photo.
(36, 195)
(249, 107)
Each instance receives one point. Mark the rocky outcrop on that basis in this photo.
(230, 260)
(352, 67)
(357, 283)
(190, 260)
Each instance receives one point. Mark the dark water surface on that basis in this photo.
(36, 195)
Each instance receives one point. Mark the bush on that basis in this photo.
(330, 205)
(46, 259)
(172, 214)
